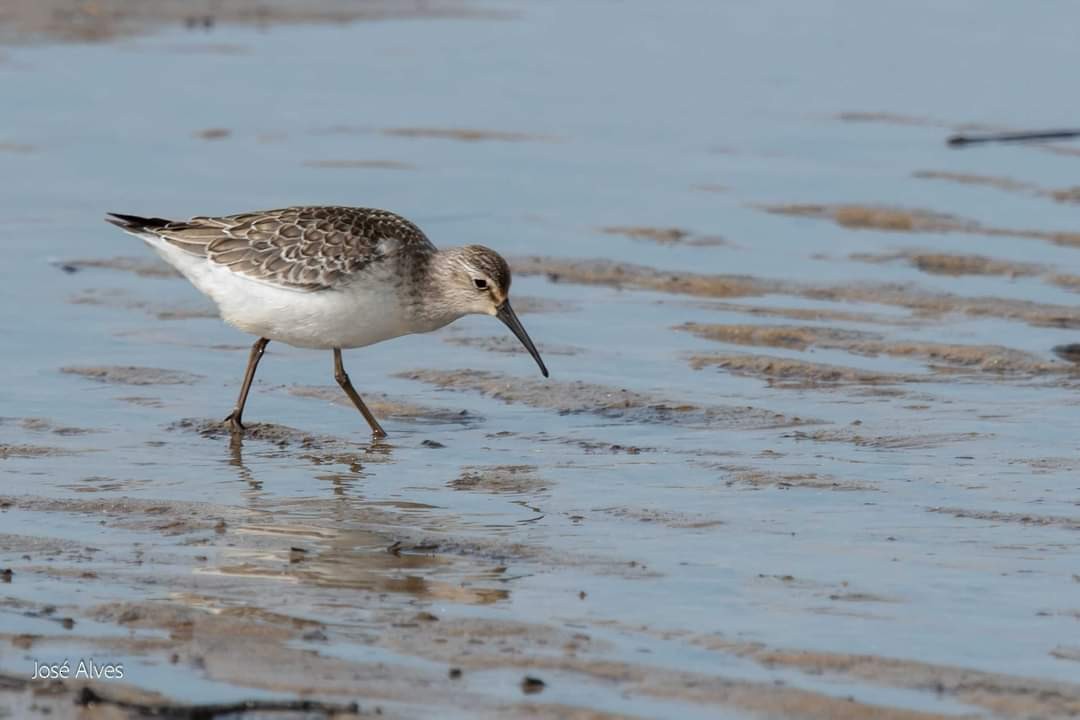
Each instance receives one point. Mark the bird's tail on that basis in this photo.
(136, 224)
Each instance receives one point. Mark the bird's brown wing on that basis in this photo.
(300, 248)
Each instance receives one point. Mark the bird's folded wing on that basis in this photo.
(300, 248)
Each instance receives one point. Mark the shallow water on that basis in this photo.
(668, 554)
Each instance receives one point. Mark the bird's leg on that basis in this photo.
(257, 351)
(343, 380)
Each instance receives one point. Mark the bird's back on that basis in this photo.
(297, 248)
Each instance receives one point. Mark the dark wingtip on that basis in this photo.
(134, 222)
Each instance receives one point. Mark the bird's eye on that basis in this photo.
(480, 283)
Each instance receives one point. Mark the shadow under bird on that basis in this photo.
(329, 278)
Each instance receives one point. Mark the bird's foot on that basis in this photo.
(233, 423)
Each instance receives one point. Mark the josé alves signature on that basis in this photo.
(87, 669)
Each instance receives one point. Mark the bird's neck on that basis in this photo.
(432, 303)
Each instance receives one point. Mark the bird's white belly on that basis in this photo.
(325, 319)
(364, 313)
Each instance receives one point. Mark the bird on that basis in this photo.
(329, 278)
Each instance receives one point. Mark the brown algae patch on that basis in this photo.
(386, 406)
(168, 517)
(97, 483)
(317, 449)
(505, 645)
(466, 134)
(143, 267)
(1064, 280)
(995, 516)
(983, 358)
(912, 220)
(796, 374)
(45, 425)
(1066, 195)
(256, 643)
(602, 400)
(281, 435)
(871, 217)
(640, 277)
(106, 20)
(518, 479)
(664, 235)
(1006, 696)
(930, 304)
(992, 181)
(890, 118)
(1063, 195)
(759, 478)
(23, 698)
(21, 148)
(8, 450)
(492, 549)
(587, 445)
(1045, 465)
(180, 619)
(796, 337)
(884, 442)
(143, 401)
(923, 303)
(936, 263)
(214, 133)
(677, 520)
(132, 375)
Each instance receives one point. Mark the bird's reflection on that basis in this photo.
(340, 541)
(236, 460)
(318, 454)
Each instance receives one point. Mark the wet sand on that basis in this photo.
(26, 21)
(808, 449)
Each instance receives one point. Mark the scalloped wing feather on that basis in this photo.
(300, 248)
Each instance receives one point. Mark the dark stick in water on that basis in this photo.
(1028, 136)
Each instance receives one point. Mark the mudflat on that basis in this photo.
(808, 449)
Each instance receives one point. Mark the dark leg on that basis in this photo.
(257, 351)
(343, 380)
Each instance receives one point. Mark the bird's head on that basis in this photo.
(475, 280)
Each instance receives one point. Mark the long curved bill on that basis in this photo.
(506, 313)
